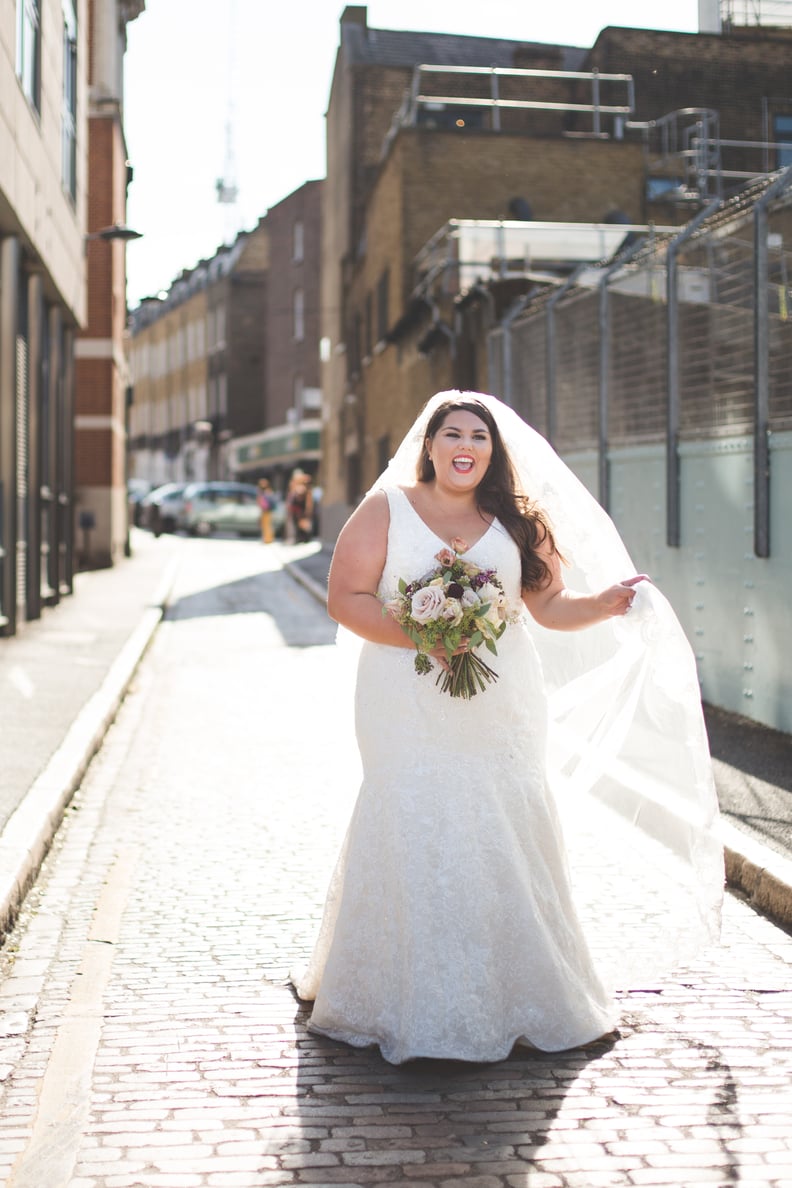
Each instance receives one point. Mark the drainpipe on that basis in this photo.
(761, 458)
(672, 405)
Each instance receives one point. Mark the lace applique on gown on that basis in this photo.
(449, 929)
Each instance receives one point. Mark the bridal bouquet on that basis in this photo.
(457, 603)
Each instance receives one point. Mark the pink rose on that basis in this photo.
(459, 545)
(446, 557)
(393, 606)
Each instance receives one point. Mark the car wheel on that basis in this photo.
(203, 528)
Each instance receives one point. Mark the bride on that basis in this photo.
(453, 926)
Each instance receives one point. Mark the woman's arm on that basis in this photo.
(566, 610)
(358, 561)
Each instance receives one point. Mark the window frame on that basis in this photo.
(69, 106)
(28, 51)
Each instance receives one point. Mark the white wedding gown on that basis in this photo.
(449, 929)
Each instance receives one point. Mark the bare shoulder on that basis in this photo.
(367, 527)
(372, 515)
(362, 545)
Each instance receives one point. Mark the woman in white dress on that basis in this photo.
(451, 928)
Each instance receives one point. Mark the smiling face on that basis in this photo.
(460, 450)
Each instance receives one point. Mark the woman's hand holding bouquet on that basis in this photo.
(449, 612)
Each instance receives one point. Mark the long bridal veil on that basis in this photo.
(628, 757)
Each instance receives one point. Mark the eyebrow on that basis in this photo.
(456, 429)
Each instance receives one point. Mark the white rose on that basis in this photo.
(427, 603)
(496, 600)
(452, 612)
(470, 598)
(490, 593)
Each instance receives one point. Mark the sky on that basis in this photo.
(262, 68)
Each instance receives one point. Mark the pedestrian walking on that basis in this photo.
(266, 502)
(453, 926)
(299, 508)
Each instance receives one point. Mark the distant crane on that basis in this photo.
(226, 186)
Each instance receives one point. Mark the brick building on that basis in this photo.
(101, 370)
(226, 366)
(198, 364)
(288, 433)
(425, 131)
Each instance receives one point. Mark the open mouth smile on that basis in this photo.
(462, 464)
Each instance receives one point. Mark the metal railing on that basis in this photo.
(562, 94)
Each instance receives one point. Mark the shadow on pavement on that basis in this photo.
(753, 775)
(752, 748)
(457, 1117)
(298, 617)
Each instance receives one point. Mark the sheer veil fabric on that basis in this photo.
(628, 775)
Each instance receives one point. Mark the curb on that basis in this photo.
(30, 829)
(763, 875)
(309, 583)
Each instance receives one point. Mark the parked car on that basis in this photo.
(137, 490)
(221, 507)
(161, 510)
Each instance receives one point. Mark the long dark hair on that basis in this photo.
(498, 493)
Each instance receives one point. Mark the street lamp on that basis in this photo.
(116, 231)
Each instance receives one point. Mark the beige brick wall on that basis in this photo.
(428, 178)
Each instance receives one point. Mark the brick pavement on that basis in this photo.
(149, 1038)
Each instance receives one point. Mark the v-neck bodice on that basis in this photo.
(413, 548)
(436, 535)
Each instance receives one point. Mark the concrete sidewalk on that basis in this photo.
(63, 678)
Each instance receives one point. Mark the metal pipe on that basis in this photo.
(761, 460)
(595, 102)
(36, 339)
(495, 95)
(9, 321)
(672, 393)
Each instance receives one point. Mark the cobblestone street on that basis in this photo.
(150, 1038)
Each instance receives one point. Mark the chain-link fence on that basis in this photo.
(683, 336)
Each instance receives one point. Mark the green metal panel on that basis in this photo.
(735, 607)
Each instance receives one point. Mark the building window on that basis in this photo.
(658, 188)
(297, 397)
(298, 242)
(29, 49)
(299, 315)
(69, 113)
(354, 346)
(782, 135)
(382, 305)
